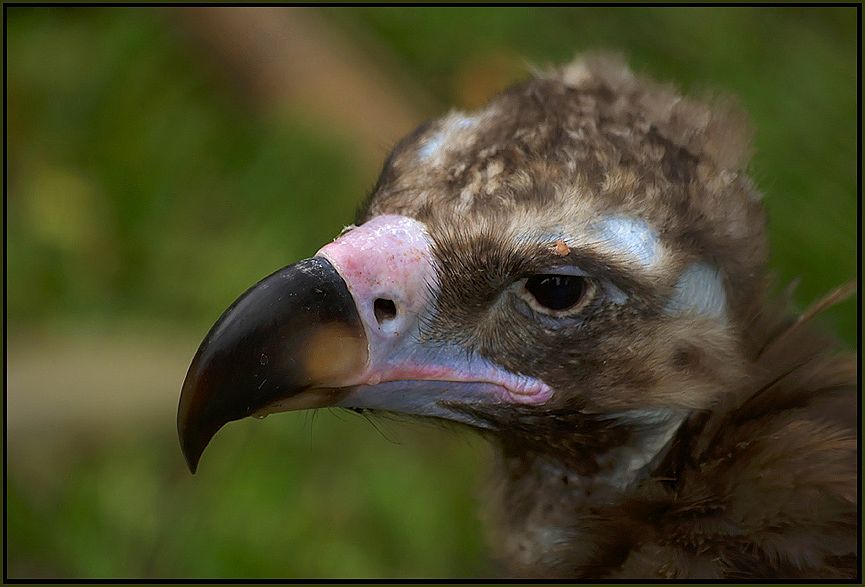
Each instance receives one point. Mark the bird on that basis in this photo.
(577, 271)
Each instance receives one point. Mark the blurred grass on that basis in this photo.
(143, 188)
(280, 498)
(139, 183)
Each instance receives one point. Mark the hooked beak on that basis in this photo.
(294, 329)
(340, 329)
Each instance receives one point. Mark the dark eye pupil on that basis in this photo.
(556, 292)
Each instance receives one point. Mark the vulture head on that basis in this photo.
(577, 270)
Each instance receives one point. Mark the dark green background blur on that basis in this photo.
(148, 186)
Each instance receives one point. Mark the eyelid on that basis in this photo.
(563, 270)
(614, 294)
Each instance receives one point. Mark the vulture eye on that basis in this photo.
(557, 295)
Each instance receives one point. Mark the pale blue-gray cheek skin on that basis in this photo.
(614, 294)
(423, 398)
(632, 237)
(699, 290)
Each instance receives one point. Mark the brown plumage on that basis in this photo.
(759, 479)
(591, 244)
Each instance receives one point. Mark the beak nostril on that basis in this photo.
(385, 310)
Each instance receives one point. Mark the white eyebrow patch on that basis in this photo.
(434, 146)
(631, 237)
(699, 290)
(431, 146)
(464, 121)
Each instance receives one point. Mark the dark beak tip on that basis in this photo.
(192, 446)
(187, 432)
(194, 437)
(192, 463)
(191, 454)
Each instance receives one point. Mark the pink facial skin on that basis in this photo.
(389, 258)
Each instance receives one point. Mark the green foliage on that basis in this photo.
(140, 184)
(144, 186)
(286, 497)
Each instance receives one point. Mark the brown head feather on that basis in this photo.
(697, 430)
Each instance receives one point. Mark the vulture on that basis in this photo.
(578, 271)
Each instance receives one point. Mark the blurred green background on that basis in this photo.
(161, 160)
